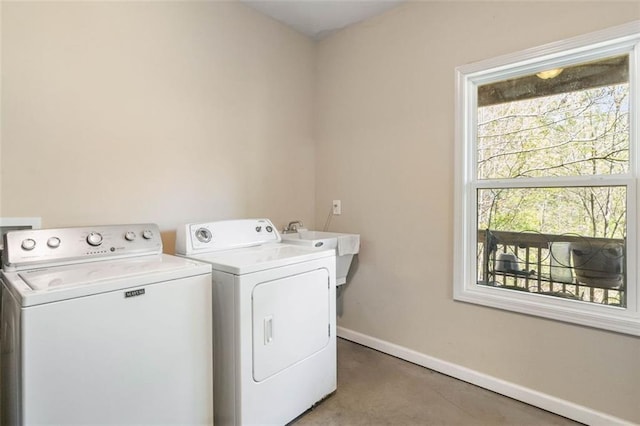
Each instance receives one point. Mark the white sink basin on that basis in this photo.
(313, 238)
(345, 245)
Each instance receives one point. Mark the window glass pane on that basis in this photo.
(563, 242)
(574, 123)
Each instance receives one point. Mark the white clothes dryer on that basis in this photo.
(100, 327)
(274, 320)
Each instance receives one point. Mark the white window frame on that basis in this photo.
(624, 39)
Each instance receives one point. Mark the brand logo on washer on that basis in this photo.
(133, 293)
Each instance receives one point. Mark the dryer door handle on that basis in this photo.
(268, 329)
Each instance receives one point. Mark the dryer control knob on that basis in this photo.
(94, 239)
(28, 244)
(130, 236)
(147, 234)
(53, 242)
(203, 235)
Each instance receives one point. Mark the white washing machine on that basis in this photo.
(100, 327)
(274, 320)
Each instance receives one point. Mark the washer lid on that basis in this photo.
(260, 258)
(36, 286)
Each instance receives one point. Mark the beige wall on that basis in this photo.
(167, 112)
(385, 129)
(1, 119)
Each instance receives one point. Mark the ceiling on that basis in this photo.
(319, 18)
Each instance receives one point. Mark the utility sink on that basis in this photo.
(345, 245)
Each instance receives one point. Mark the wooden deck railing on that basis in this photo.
(569, 266)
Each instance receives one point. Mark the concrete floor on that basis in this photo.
(378, 389)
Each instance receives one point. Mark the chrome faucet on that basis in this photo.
(293, 227)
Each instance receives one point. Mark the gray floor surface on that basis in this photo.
(378, 389)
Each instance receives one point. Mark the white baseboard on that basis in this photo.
(559, 406)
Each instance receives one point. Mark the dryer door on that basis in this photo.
(290, 321)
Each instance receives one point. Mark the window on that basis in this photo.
(547, 164)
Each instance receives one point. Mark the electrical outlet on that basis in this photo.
(337, 207)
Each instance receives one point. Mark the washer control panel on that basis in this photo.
(225, 235)
(75, 245)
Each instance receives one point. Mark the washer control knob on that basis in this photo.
(269, 228)
(147, 234)
(94, 239)
(53, 242)
(258, 228)
(28, 244)
(203, 235)
(130, 236)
